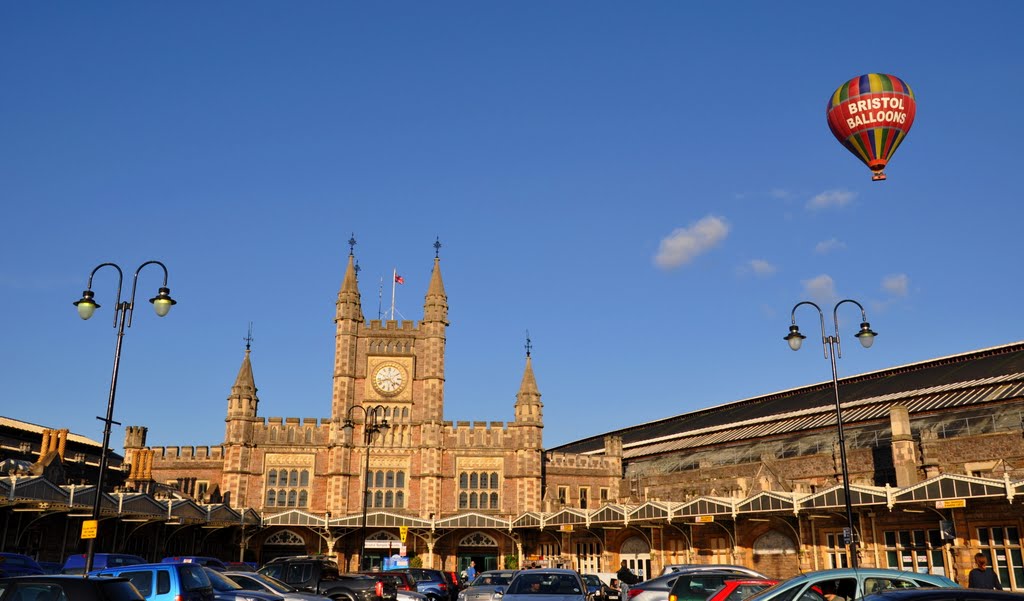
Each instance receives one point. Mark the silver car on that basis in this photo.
(657, 589)
(251, 581)
(547, 584)
(486, 584)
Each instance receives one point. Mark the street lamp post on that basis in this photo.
(162, 303)
(373, 422)
(833, 349)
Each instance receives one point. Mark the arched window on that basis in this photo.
(272, 478)
(291, 499)
(405, 413)
(304, 478)
(389, 499)
(463, 500)
(494, 480)
(474, 480)
(494, 500)
(399, 499)
(378, 499)
(282, 498)
(389, 479)
(303, 498)
(271, 497)
(293, 478)
(463, 480)
(400, 479)
(379, 479)
(472, 501)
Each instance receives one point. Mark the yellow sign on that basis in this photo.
(89, 529)
(565, 528)
(403, 532)
(704, 519)
(951, 504)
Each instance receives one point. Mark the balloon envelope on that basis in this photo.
(871, 115)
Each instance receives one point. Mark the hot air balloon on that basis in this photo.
(871, 115)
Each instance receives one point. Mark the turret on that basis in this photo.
(348, 318)
(434, 327)
(242, 405)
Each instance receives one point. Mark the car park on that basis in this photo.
(547, 584)
(16, 564)
(657, 589)
(486, 584)
(251, 581)
(848, 583)
(70, 588)
(740, 589)
(164, 581)
(318, 574)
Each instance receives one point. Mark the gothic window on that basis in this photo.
(293, 478)
(271, 497)
(389, 479)
(400, 479)
(463, 480)
(399, 499)
(389, 499)
(473, 480)
(472, 501)
(285, 537)
(470, 482)
(291, 498)
(478, 539)
(272, 478)
(390, 485)
(494, 480)
(378, 499)
(303, 498)
(287, 487)
(405, 413)
(463, 500)
(494, 500)
(304, 478)
(282, 498)
(379, 480)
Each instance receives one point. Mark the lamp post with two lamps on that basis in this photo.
(374, 421)
(833, 349)
(162, 303)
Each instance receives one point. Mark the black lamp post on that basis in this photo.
(833, 349)
(162, 303)
(373, 422)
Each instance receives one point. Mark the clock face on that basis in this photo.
(389, 379)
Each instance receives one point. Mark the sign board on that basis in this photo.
(951, 504)
(565, 528)
(89, 529)
(403, 532)
(704, 519)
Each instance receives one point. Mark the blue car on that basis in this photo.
(849, 584)
(15, 564)
(75, 564)
(211, 562)
(165, 581)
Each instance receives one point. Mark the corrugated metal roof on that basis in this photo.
(17, 424)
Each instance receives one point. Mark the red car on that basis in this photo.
(737, 590)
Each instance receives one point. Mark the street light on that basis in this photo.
(832, 348)
(373, 422)
(86, 306)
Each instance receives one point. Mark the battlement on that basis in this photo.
(195, 453)
(477, 434)
(377, 325)
(578, 461)
(292, 430)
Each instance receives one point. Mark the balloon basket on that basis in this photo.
(878, 177)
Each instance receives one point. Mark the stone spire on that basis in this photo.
(349, 304)
(242, 404)
(529, 409)
(435, 307)
(245, 384)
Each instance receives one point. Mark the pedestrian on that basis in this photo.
(980, 577)
(471, 571)
(830, 592)
(625, 575)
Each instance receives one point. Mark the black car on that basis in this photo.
(942, 594)
(70, 588)
(320, 575)
(432, 583)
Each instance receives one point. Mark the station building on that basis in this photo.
(935, 453)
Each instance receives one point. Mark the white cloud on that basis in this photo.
(831, 198)
(779, 193)
(687, 243)
(821, 288)
(760, 267)
(826, 246)
(897, 284)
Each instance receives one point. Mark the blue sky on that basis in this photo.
(648, 188)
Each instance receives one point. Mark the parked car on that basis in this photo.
(75, 564)
(689, 567)
(657, 589)
(431, 583)
(702, 585)
(225, 589)
(16, 564)
(486, 584)
(317, 574)
(596, 586)
(549, 584)
(740, 589)
(251, 581)
(164, 581)
(943, 594)
(209, 562)
(849, 583)
(50, 567)
(72, 588)
(240, 566)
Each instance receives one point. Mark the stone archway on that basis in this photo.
(775, 553)
(281, 544)
(636, 552)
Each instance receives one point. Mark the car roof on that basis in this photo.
(940, 593)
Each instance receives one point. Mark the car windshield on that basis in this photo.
(545, 584)
(491, 580)
(592, 580)
(220, 583)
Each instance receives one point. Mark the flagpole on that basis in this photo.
(380, 297)
(394, 278)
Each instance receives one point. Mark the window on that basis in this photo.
(835, 551)
(386, 488)
(584, 496)
(1001, 544)
(604, 495)
(588, 557)
(472, 482)
(563, 495)
(915, 551)
(286, 488)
